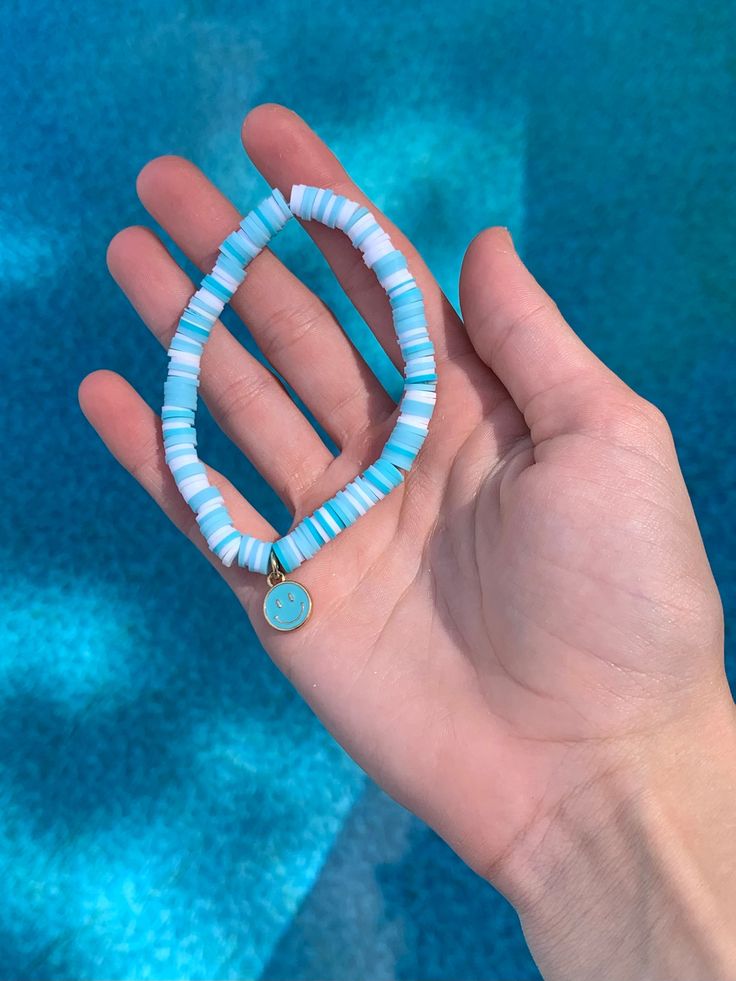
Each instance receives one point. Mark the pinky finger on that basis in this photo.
(131, 431)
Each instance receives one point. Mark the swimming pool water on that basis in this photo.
(171, 809)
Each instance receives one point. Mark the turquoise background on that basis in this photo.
(168, 806)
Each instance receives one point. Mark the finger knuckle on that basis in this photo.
(288, 327)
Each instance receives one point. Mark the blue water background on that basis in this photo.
(168, 806)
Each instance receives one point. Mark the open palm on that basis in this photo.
(533, 600)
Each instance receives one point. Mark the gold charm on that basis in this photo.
(287, 604)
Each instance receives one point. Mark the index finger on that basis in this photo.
(287, 152)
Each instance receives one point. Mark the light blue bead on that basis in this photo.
(402, 284)
(192, 317)
(281, 202)
(208, 528)
(345, 516)
(367, 487)
(270, 223)
(388, 264)
(426, 376)
(417, 349)
(306, 546)
(225, 541)
(344, 500)
(389, 471)
(374, 476)
(195, 333)
(231, 266)
(410, 296)
(189, 470)
(202, 497)
(169, 415)
(310, 193)
(281, 555)
(358, 495)
(189, 369)
(409, 323)
(198, 304)
(403, 442)
(180, 398)
(414, 408)
(398, 456)
(411, 387)
(373, 227)
(290, 546)
(319, 516)
(180, 440)
(326, 199)
(180, 431)
(234, 246)
(176, 453)
(335, 209)
(247, 244)
(179, 344)
(407, 436)
(244, 550)
(210, 522)
(255, 231)
(356, 216)
(310, 531)
(210, 283)
(400, 314)
(336, 515)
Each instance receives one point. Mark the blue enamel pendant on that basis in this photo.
(287, 604)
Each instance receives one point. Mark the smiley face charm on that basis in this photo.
(287, 605)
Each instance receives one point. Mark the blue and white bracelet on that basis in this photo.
(287, 604)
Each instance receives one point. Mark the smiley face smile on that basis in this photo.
(297, 617)
(287, 605)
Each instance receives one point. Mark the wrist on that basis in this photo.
(633, 873)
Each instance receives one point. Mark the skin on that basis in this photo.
(520, 642)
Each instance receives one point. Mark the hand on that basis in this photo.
(531, 616)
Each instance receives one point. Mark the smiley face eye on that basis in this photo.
(279, 603)
(291, 597)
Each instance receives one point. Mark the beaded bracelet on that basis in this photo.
(287, 604)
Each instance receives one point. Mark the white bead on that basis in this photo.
(346, 213)
(397, 277)
(418, 421)
(257, 562)
(212, 505)
(210, 299)
(360, 226)
(184, 357)
(358, 491)
(247, 243)
(413, 335)
(227, 555)
(225, 278)
(318, 198)
(192, 485)
(190, 340)
(182, 461)
(217, 536)
(320, 530)
(279, 218)
(334, 526)
(295, 201)
(357, 504)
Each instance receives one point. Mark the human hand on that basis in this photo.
(528, 626)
